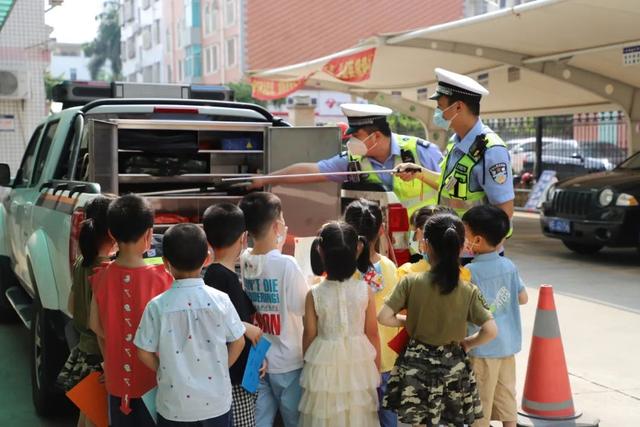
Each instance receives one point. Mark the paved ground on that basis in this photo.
(598, 301)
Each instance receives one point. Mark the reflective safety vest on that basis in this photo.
(455, 185)
(413, 194)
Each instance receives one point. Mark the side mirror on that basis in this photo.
(5, 175)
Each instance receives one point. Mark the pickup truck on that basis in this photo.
(170, 143)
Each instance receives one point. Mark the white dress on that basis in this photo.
(340, 377)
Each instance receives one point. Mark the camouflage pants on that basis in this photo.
(433, 386)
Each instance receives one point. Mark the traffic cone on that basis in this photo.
(547, 398)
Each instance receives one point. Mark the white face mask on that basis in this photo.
(357, 147)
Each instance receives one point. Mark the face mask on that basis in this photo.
(425, 256)
(357, 147)
(440, 121)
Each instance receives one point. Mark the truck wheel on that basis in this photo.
(582, 248)
(7, 280)
(48, 354)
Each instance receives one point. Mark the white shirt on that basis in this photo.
(189, 327)
(277, 287)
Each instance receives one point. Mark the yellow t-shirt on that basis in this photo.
(423, 266)
(382, 280)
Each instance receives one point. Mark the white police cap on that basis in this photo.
(450, 83)
(360, 115)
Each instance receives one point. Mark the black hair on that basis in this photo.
(419, 218)
(380, 126)
(472, 102)
(93, 230)
(224, 224)
(185, 247)
(445, 234)
(339, 244)
(366, 217)
(260, 210)
(129, 217)
(488, 221)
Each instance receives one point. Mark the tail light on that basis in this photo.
(398, 218)
(76, 221)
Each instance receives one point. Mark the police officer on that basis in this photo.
(372, 146)
(476, 168)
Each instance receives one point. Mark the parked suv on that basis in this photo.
(592, 211)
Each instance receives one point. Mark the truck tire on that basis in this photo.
(7, 280)
(48, 354)
(582, 248)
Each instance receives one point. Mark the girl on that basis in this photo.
(366, 218)
(340, 341)
(432, 382)
(95, 246)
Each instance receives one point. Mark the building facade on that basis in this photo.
(24, 59)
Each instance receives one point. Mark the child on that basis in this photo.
(498, 279)
(366, 218)
(418, 220)
(95, 246)
(340, 342)
(225, 228)
(432, 382)
(190, 335)
(121, 290)
(277, 287)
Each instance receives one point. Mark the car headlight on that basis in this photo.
(551, 192)
(606, 197)
(626, 200)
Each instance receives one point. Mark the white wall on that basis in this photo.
(23, 44)
(150, 57)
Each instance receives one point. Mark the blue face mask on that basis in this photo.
(425, 256)
(439, 120)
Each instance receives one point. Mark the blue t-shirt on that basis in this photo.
(428, 156)
(493, 174)
(499, 281)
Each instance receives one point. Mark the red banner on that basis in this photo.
(266, 89)
(352, 68)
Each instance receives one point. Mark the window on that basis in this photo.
(131, 47)
(207, 19)
(23, 177)
(146, 4)
(229, 12)
(231, 52)
(179, 33)
(123, 51)
(168, 40)
(214, 16)
(63, 170)
(180, 71)
(43, 151)
(156, 72)
(207, 60)
(73, 74)
(211, 59)
(193, 61)
(156, 32)
(169, 75)
(146, 37)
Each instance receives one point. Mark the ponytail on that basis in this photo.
(364, 259)
(93, 230)
(445, 235)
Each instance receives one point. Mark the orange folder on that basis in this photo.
(90, 396)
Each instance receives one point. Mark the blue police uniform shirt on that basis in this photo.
(499, 281)
(429, 157)
(493, 174)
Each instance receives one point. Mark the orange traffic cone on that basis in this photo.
(547, 398)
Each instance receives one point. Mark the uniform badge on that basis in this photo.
(499, 172)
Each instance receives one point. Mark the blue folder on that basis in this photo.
(251, 377)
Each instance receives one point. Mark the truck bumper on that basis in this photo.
(614, 234)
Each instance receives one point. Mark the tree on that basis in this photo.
(406, 125)
(49, 82)
(106, 45)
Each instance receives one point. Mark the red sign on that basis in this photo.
(266, 89)
(352, 68)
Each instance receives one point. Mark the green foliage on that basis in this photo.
(106, 45)
(49, 82)
(405, 125)
(243, 91)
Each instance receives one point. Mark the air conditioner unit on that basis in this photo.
(14, 84)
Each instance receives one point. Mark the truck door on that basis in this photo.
(306, 206)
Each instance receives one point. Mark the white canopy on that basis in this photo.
(541, 58)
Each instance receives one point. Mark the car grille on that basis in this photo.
(577, 203)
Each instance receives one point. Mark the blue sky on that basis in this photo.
(74, 21)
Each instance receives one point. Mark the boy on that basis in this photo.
(190, 335)
(278, 289)
(225, 229)
(121, 290)
(497, 277)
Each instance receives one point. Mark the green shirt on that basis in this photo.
(82, 294)
(434, 318)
